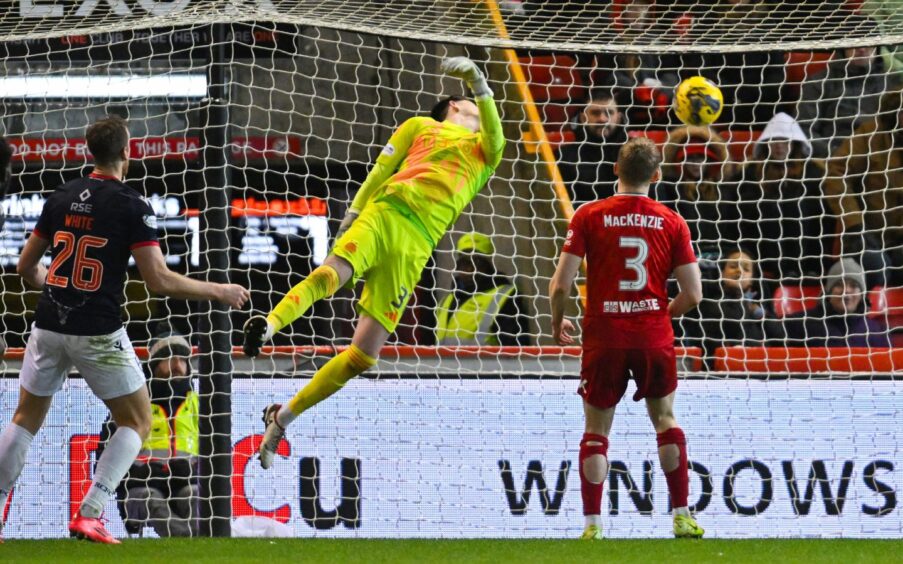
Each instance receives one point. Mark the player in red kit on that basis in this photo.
(632, 244)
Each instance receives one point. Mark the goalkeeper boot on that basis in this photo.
(592, 532)
(255, 333)
(92, 529)
(271, 436)
(685, 527)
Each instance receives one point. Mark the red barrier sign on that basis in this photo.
(55, 149)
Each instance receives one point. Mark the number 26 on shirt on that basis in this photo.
(87, 273)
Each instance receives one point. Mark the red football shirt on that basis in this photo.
(632, 244)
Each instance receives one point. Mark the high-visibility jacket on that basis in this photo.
(472, 322)
(176, 434)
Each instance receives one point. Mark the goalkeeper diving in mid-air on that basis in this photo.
(428, 172)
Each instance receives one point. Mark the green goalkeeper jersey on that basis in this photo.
(435, 169)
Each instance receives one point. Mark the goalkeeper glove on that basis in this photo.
(467, 70)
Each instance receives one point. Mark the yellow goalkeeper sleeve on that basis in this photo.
(491, 131)
(330, 378)
(322, 282)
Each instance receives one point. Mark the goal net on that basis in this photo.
(253, 124)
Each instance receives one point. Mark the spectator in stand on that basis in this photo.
(889, 15)
(781, 210)
(697, 182)
(834, 101)
(840, 319)
(587, 164)
(648, 79)
(484, 307)
(731, 313)
(864, 187)
(751, 81)
(636, 18)
(162, 484)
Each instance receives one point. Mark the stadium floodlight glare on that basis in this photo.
(112, 86)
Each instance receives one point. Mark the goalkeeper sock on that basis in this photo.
(592, 474)
(14, 444)
(329, 379)
(672, 454)
(322, 282)
(117, 457)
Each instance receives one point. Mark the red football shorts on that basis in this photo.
(604, 374)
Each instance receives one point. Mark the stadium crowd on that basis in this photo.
(794, 197)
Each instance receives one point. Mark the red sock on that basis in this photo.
(592, 493)
(678, 479)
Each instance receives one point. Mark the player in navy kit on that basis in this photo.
(92, 226)
(632, 244)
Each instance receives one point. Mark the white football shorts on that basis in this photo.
(107, 363)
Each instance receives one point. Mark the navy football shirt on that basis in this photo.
(92, 224)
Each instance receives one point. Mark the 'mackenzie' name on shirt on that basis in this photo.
(634, 220)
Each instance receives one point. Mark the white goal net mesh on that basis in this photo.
(794, 198)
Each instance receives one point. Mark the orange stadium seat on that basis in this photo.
(553, 78)
(557, 89)
(740, 143)
(556, 138)
(556, 115)
(801, 360)
(617, 8)
(657, 135)
(803, 64)
(792, 300)
(887, 301)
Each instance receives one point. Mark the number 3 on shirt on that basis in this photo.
(636, 264)
(87, 272)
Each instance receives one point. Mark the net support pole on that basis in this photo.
(216, 327)
(537, 131)
(536, 128)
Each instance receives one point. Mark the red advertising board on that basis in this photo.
(56, 149)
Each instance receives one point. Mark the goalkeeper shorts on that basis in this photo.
(389, 252)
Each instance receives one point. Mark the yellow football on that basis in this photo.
(698, 101)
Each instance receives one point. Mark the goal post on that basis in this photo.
(253, 124)
(215, 424)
